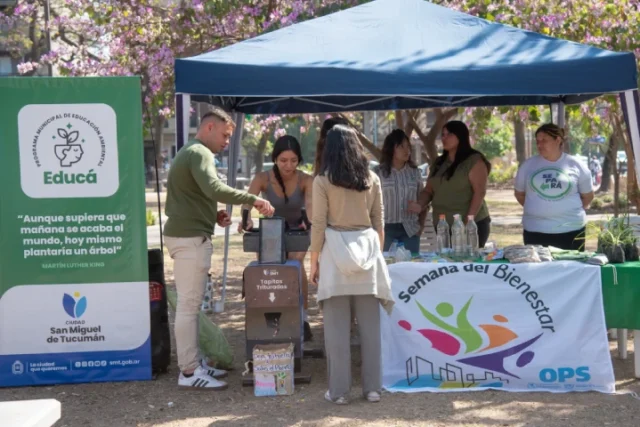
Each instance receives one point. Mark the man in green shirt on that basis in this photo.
(193, 190)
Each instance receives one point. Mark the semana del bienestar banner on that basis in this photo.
(512, 327)
(74, 292)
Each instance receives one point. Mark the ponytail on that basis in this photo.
(276, 172)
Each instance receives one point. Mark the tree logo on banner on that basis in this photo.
(68, 153)
(68, 150)
(458, 338)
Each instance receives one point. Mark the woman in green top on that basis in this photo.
(457, 183)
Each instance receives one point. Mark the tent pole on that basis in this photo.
(561, 121)
(631, 110)
(234, 154)
(183, 107)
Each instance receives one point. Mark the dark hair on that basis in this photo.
(219, 114)
(393, 140)
(344, 162)
(463, 152)
(284, 143)
(326, 127)
(553, 130)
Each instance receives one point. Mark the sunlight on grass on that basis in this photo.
(504, 208)
(505, 235)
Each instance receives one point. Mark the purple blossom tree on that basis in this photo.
(610, 25)
(143, 38)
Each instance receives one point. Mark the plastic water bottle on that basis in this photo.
(472, 237)
(393, 248)
(458, 237)
(442, 235)
(399, 254)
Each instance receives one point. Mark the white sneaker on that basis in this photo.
(338, 401)
(213, 372)
(373, 396)
(200, 380)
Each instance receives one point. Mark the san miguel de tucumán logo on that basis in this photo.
(68, 150)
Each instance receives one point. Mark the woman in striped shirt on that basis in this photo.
(401, 184)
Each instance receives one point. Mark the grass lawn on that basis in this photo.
(505, 235)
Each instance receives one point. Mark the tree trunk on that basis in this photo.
(616, 176)
(567, 133)
(633, 194)
(607, 168)
(366, 142)
(158, 137)
(399, 119)
(521, 140)
(632, 181)
(258, 158)
(429, 140)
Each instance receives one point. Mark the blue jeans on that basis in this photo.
(396, 232)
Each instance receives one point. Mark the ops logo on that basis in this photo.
(580, 374)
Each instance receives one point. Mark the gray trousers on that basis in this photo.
(337, 342)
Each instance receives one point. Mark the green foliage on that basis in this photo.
(307, 167)
(501, 176)
(597, 204)
(151, 218)
(307, 135)
(495, 140)
(605, 24)
(623, 201)
(616, 231)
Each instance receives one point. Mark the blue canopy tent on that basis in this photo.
(400, 54)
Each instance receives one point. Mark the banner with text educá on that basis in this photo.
(74, 286)
(512, 327)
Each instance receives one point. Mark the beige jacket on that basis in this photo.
(345, 210)
(351, 263)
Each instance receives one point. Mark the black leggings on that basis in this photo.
(573, 240)
(484, 229)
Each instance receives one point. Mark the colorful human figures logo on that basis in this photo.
(452, 335)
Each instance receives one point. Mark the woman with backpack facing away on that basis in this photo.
(347, 263)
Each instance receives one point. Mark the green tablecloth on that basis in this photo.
(622, 301)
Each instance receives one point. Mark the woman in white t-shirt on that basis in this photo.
(555, 189)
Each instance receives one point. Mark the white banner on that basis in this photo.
(77, 318)
(514, 327)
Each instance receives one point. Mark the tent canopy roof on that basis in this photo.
(396, 54)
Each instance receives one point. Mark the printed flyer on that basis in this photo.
(74, 292)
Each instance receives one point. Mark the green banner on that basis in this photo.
(74, 296)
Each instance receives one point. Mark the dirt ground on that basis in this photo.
(159, 403)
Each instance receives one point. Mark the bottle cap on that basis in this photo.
(470, 217)
(442, 216)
